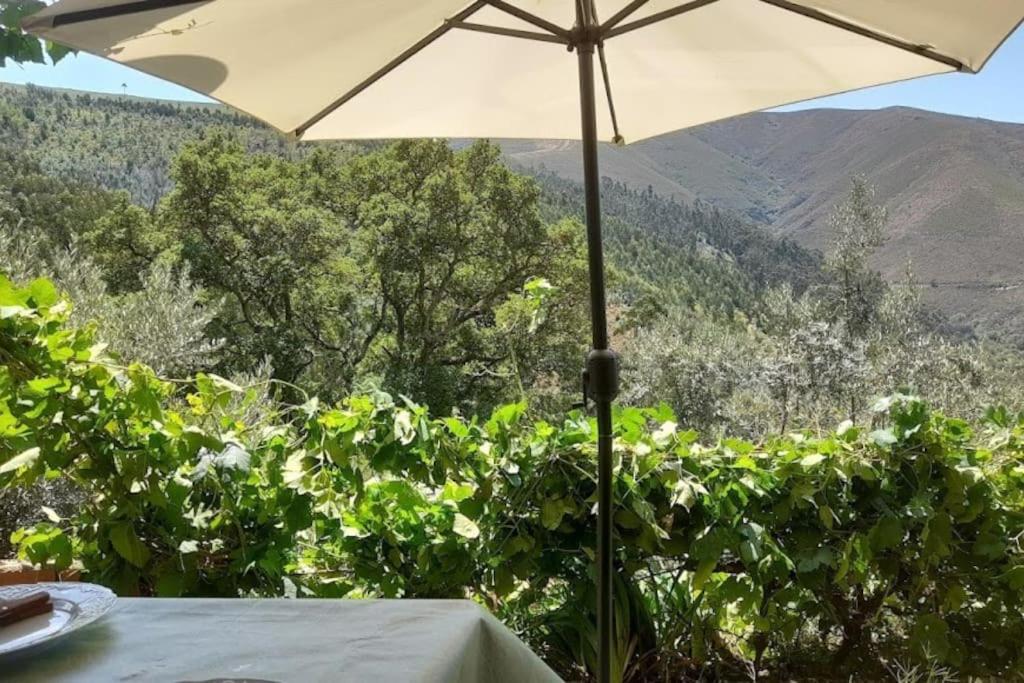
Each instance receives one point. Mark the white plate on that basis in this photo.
(74, 606)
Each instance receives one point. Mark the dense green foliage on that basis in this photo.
(317, 299)
(407, 264)
(850, 551)
(687, 256)
(405, 268)
(119, 143)
(38, 202)
(666, 254)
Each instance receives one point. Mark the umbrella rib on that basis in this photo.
(510, 32)
(621, 15)
(657, 17)
(113, 11)
(529, 18)
(380, 73)
(608, 92)
(592, 7)
(919, 50)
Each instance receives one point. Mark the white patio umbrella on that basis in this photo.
(319, 69)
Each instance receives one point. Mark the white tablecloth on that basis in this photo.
(285, 641)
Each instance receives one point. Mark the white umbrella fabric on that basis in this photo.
(350, 69)
(310, 66)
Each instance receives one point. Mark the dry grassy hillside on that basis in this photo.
(954, 187)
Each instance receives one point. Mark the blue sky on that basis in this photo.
(997, 93)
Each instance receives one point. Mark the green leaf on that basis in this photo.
(887, 533)
(627, 519)
(551, 512)
(403, 429)
(233, 457)
(685, 493)
(465, 527)
(457, 492)
(938, 535)
(128, 545)
(42, 293)
(171, 584)
(750, 551)
(1015, 577)
(704, 571)
(955, 597)
(989, 545)
(295, 470)
(23, 459)
(44, 544)
(457, 427)
(187, 547)
(827, 517)
(516, 545)
(505, 416)
(665, 432)
(811, 461)
(340, 420)
(930, 637)
(42, 385)
(883, 438)
(57, 52)
(13, 311)
(352, 532)
(504, 580)
(820, 557)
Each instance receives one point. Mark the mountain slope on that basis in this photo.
(954, 188)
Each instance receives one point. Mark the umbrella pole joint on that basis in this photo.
(585, 37)
(601, 378)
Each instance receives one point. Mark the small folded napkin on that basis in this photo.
(19, 609)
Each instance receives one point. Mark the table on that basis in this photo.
(284, 641)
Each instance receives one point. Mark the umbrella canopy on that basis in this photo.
(350, 69)
(313, 68)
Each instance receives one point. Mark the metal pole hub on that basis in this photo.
(602, 375)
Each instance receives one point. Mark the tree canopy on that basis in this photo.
(409, 266)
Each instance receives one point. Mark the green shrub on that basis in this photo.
(847, 552)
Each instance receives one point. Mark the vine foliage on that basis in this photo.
(868, 545)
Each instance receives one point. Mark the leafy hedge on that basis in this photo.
(847, 552)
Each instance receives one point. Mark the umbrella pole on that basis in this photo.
(601, 378)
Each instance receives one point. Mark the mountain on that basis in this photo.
(954, 188)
